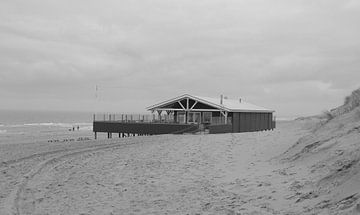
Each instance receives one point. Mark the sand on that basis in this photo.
(245, 173)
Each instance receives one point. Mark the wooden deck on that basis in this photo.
(125, 129)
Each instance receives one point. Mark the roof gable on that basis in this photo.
(229, 105)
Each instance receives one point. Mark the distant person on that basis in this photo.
(78, 127)
(73, 128)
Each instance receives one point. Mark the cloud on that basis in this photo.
(265, 51)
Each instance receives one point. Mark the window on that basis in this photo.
(181, 117)
(194, 117)
(207, 117)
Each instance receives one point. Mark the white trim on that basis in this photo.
(178, 109)
(186, 96)
(181, 105)
(220, 107)
(193, 105)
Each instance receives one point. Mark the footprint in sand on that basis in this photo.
(357, 208)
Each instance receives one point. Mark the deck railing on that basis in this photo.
(134, 118)
(150, 118)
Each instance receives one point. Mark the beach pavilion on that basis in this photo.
(189, 113)
(241, 115)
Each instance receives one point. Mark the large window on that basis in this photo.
(194, 117)
(181, 117)
(207, 117)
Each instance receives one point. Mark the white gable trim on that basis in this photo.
(204, 101)
(186, 96)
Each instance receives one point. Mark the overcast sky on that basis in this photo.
(298, 57)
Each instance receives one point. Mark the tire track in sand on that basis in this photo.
(12, 202)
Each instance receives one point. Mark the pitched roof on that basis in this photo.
(229, 105)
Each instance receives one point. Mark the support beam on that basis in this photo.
(193, 105)
(178, 109)
(225, 114)
(159, 112)
(182, 106)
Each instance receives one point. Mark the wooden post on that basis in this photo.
(122, 117)
(159, 112)
(104, 118)
(95, 135)
(94, 118)
(126, 118)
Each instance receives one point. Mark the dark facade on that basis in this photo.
(247, 122)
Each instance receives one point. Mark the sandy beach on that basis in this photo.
(244, 173)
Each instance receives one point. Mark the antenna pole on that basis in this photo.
(96, 91)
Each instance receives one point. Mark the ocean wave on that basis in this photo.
(58, 124)
(50, 124)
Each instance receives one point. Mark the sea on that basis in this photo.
(33, 126)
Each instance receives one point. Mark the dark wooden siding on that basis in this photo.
(142, 128)
(248, 122)
(218, 129)
(235, 122)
